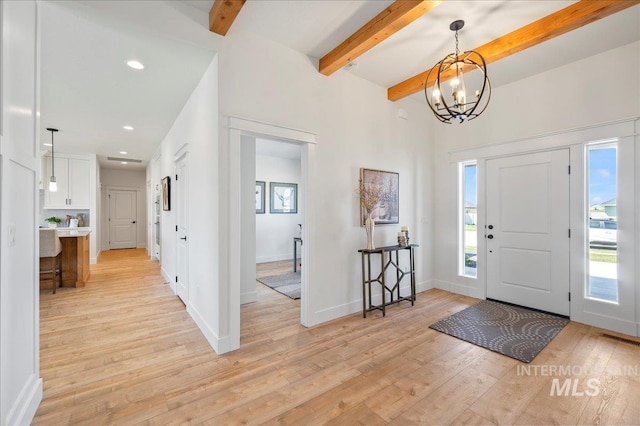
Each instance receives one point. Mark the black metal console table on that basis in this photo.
(380, 279)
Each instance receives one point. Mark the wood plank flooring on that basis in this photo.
(124, 351)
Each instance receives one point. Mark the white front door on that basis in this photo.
(122, 219)
(528, 230)
(182, 214)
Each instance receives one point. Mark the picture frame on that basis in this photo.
(166, 193)
(260, 197)
(388, 211)
(283, 198)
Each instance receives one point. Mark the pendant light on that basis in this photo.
(53, 186)
(458, 105)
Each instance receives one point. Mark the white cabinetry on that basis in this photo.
(72, 176)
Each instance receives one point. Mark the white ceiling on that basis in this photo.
(89, 93)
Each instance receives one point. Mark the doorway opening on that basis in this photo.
(278, 218)
(243, 135)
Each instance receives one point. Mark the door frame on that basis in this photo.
(182, 155)
(575, 140)
(247, 129)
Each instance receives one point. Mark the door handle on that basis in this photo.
(490, 236)
(490, 226)
(184, 238)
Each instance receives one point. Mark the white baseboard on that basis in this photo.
(218, 344)
(462, 289)
(334, 312)
(608, 323)
(168, 279)
(25, 407)
(248, 297)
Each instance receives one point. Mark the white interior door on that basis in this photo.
(123, 227)
(528, 230)
(182, 215)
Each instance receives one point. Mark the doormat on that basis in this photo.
(287, 284)
(514, 331)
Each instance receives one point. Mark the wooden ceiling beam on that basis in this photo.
(568, 19)
(388, 22)
(222, 15)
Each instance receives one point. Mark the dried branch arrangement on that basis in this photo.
(373, 193)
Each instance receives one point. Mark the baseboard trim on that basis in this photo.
(220, 345)
(354, 306)
(167, 279)
(25, 407)
(249, 297)
(608, 323)
(457, 288)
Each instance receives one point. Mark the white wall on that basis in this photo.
(197, 127)
(356, 127)
(135, 180)
(20, 382)
(275, 232)
(572, 103)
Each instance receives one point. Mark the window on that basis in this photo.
(602, 178)
(468, 219)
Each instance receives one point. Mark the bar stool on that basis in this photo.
(51, 256)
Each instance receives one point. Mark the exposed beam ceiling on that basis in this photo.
(385, 24)
(222, 15)
(568, 19)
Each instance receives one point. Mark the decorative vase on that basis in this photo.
(53, 225)
(369, 225)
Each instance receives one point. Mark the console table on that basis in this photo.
(386, 261)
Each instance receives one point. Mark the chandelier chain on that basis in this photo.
(457, 50)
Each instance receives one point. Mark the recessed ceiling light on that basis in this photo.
(136, 65)
(127, 127)
(124, 152)
(123, 162)
(47, 144)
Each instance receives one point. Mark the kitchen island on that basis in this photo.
(75, 257)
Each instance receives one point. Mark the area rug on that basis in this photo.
(509, 330)
(287, 284)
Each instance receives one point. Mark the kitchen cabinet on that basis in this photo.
(72, 176)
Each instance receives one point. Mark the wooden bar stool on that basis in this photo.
(50, 257)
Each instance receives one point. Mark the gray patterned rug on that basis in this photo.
(287, 284)
(513, 331)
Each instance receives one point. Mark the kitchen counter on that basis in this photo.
(75, 256)
(70, 232)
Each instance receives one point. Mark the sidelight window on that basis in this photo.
(468, 202)
(602, 222)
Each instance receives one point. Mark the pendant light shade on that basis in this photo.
(459, 100)
(53, 185)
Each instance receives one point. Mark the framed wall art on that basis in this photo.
(166, 193)
(382, 193)
(260, 197)
(283, 197)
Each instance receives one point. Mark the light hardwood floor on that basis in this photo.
(123, 350)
